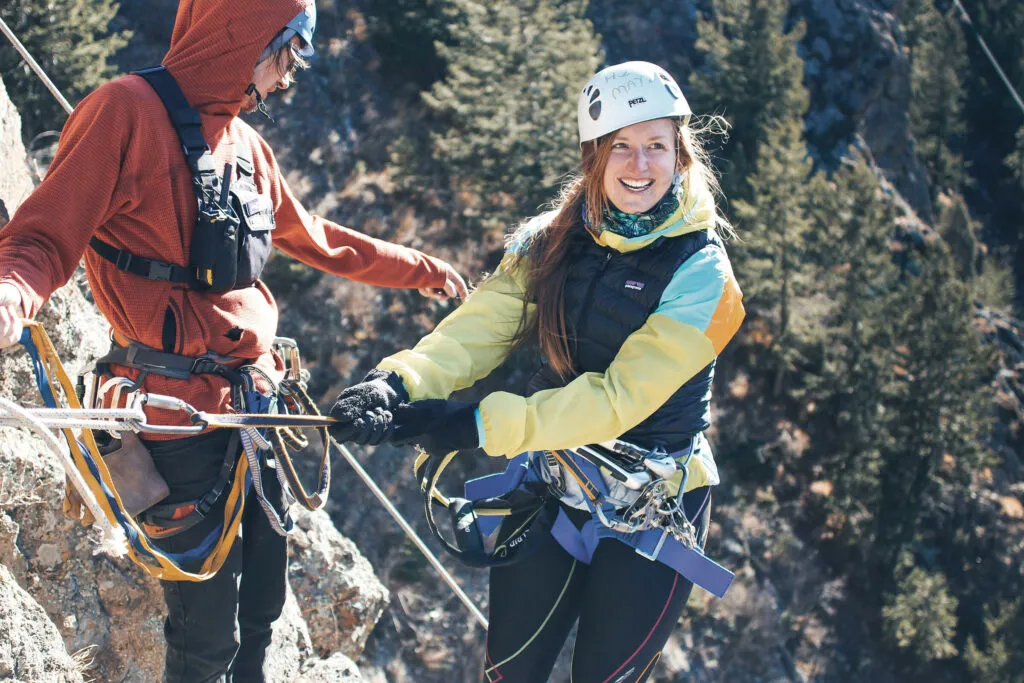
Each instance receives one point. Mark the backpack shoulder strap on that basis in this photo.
(186, 121)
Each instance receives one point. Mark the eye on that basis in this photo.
(659, 146)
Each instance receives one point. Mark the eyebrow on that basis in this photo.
(653, 138)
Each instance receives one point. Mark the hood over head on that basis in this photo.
(215, 47)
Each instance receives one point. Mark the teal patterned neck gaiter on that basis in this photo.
(638, 224)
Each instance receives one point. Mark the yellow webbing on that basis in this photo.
(89, 462)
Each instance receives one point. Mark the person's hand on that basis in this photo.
(11, 313)
(364, 410)
(454, 287)
(438, 426)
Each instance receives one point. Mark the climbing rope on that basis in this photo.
(413, 536)
(966, 19)
(112, 539)
(34, 65)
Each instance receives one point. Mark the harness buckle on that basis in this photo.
(159, 271)
(204, 365)
(124, 260)
(653, 555)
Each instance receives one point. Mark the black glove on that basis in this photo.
(439, 426)
(364, 410)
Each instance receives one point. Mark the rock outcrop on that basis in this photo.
(858, 75)
(30, 646)
(15, 180)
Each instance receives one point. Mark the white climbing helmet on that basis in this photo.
(628, 93)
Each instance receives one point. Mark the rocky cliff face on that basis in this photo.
(858, 75)
(57, 597)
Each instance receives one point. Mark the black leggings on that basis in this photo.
(626, 604)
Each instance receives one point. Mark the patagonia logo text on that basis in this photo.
(638, 100)
(635, 285)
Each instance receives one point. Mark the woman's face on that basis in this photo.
(642, 165)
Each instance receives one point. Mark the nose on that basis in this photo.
(638, 160)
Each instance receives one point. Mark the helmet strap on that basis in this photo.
(261, 105)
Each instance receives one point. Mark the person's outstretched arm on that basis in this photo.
(41, 246)
(348, 253)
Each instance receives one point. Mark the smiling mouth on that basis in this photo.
(637, 185)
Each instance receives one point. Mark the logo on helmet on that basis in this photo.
(670, 86)
(636, 101)
(595, 103)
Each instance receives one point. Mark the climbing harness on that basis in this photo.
(630, 491)
(523, 503)
(268, 438)
(119, 533)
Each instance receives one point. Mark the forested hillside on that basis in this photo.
(868, 417)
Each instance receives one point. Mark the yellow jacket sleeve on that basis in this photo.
(651, 365)
(469, 343)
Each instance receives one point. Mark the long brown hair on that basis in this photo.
(544, 254)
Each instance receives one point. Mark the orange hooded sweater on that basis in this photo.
(120, 174)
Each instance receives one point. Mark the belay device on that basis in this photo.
(232, 236)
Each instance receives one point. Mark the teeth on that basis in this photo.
(633, 185)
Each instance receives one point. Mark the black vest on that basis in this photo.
(608, 296)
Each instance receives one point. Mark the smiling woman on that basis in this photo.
(627, 289)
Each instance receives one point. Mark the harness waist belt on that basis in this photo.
(173, 365)
(151, 269)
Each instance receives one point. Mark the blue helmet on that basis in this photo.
(303, 25)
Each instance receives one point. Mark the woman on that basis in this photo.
(628, 292)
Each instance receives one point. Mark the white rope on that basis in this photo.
(112, 539)
(411, 533)
(966, 18)
(109, 419)
(6, 30)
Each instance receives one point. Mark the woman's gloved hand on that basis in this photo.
(364, 410)
(439, 426)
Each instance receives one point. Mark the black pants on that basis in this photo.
(626, 604)
(218, 631)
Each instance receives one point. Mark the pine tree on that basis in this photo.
(406, 34)
(753, 75)
(1015, 161)
(938, 61)
(848, 246)
(508, 102)
(999, 656)
(71, 40)
(937, 407)
(920, 617)
(994, 118)
(771, 257)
